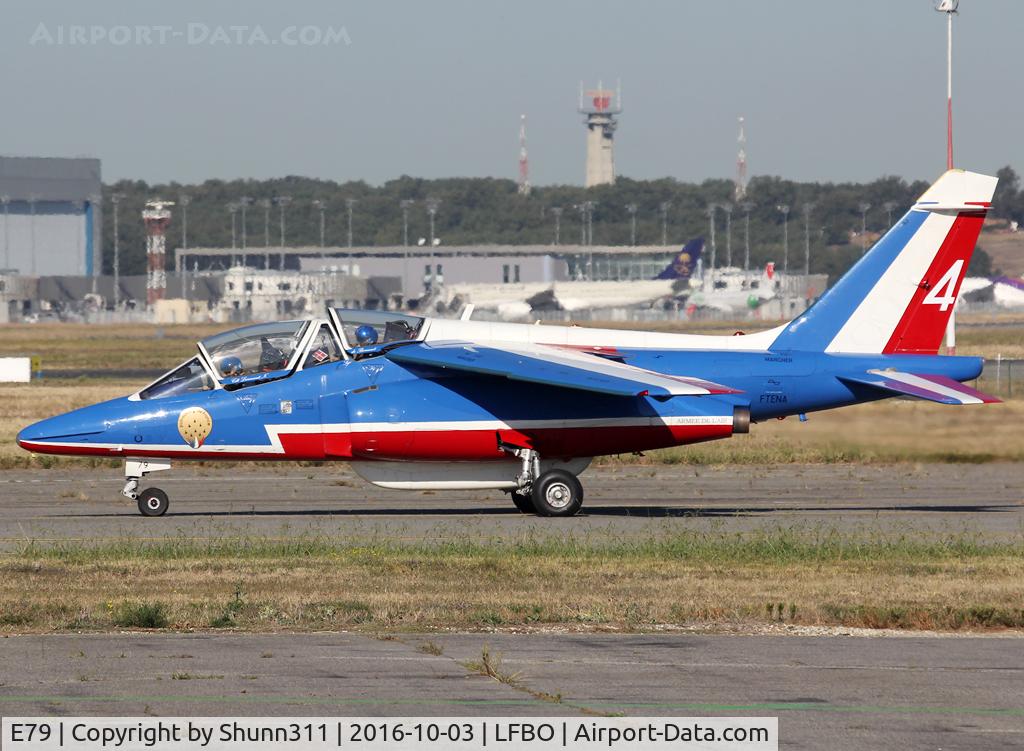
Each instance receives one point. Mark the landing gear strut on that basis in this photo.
(151, 501)
(552, 493)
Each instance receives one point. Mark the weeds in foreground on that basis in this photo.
(490, 665)
(141, 615)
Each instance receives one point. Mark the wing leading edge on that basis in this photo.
(553, 367)
(934, 388)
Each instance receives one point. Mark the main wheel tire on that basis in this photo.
(523, 502)
(557, 493)
(153, 502)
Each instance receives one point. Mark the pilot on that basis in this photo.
(366, 335)
(231, 366)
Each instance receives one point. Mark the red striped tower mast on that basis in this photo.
(524, 162)
(156, 217)
(741, 163)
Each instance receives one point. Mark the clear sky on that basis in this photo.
(831, 89)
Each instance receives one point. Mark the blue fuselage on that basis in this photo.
(375, 408)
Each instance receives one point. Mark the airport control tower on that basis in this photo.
(600, 120)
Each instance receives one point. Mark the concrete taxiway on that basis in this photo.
(626, 501)
(834, 692)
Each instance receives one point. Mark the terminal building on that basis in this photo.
(50, 216)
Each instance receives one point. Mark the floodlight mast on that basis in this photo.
(949, 7)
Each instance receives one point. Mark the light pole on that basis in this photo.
(32, 199)
(746, 206)
(587, 209)
(406, 204)
(557, 211)
(590, 223)
(115, 199)
(807, 209)
(95, 200)
(664, 207)
(949, 8)
(281, 202)
(710, 211)
(265, 205)
(349, 204)
(233, 210)
(864, 207)
(78, 206)
(631, 208)
(432, 206)
(727, 208)
(321, 206)
(784, 209)
(6, 200)
(889, 206)
(244, 202)
(183, 201)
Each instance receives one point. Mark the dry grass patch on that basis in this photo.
(799, 577)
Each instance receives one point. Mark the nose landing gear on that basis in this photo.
(151, 501)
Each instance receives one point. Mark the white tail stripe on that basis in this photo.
(874, 320)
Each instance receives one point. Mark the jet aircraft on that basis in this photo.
(415, 403)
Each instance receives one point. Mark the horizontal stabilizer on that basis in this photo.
(552, 367)
(934, 388)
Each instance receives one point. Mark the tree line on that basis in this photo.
(471, 211)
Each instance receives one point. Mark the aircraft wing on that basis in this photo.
(935, 388)
(552, 366)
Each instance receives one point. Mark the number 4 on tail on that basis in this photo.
(943, 294)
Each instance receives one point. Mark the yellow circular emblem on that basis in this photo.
(194, 426)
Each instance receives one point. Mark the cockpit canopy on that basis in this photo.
(363, 328)
(260, 348)
(270, 351)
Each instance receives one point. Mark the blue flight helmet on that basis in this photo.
(231, 366)
(366, 335)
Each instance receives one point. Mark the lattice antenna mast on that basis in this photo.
(741, 163)
(156, 216)
(524, 162)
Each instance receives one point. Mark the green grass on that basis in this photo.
(775, 546)
(141, 615)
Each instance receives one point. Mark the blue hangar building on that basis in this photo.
(50, 216)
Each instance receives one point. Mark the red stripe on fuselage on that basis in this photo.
(437, 445)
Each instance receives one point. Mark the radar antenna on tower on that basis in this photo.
(524, 162)
(741, 163)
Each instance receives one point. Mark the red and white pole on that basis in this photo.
(949, 90)
(156, 217)
(949, 8)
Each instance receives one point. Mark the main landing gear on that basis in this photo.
(552, 493)
(151, 501)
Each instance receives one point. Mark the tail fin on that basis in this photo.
(900, 295)
(685, 261)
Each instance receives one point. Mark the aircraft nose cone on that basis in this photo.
(73, 427)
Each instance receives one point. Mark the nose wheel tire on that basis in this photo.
(557, 493)
(153, 502)
(523, 502)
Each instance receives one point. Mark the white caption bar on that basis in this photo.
(380, 733)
